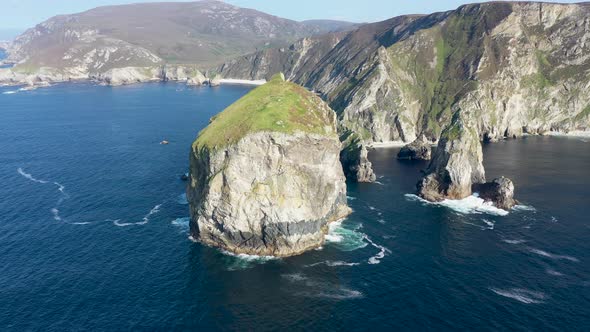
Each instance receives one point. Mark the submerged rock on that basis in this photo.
(355, 161)
(457, 163)
(265, 175)
(419, 149)
(500, 192)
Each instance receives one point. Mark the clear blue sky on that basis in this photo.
(21, 14)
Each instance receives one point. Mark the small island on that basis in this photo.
(265, 175)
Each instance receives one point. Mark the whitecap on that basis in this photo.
(372, 208)
(379, 183)
(522, 295)
(553, 256)
(9, 92)
(81, 223)
(469, 205)
(351, 198)
(381, 221)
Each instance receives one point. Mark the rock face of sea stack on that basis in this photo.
(456, 170)
(265, 175)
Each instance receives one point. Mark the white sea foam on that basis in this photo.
(344, 238)
(520, 207)
(144, 221)
(372, 208)
(29, 176)
(379, 183)
(553, 256)
(82, 223)
(468, 205)
(182, 223)
(381, 221)
(522, 295)
(243, 261)
(489, 223)
(333, 263)
(382, 251)
(516, 241)
(9, 92)
(552, 272)
(321, 289)
(351, 198)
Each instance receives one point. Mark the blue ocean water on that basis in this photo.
(93, 232)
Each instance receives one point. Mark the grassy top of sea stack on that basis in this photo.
(277, 106)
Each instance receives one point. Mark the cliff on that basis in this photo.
(265, 176)
(517, 67)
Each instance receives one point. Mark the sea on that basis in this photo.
(94, 231)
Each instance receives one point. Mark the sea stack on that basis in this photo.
(265, 175)
(419, 149)
(456, 170)
(355, 160)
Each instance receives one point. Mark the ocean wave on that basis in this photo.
(333, 264)
(552, 272)
(489, 223)
(515, 241)
(469, 205)
(522, 295)
(553, 256)
(520, 207)
(343, 238)
(235, 262)
(182, 199)
(182, 223)
(321, 289)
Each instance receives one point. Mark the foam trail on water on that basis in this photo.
(523, 208)
(144, 221)
(521, 295)
(382, 251)
(516, 241)
(236, 262)
(333, 264)
(552, 272)
(182, 199)
(9, 92)
(489, 223)
(469, 205)
(60, 187)
(29, 176)
(321, 289)
(553, 256)
(182, 223)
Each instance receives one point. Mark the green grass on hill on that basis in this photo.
(277, 106)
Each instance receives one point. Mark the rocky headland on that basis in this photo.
(265, 175)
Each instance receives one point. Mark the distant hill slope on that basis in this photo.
(518, 67)
(203, 33)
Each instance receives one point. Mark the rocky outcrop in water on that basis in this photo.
(456, 171)
(457, 163)
(419, 149)
(500, 192)
(355, 161)
(265, 175)
(198, 79)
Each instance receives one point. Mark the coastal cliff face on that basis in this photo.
(518, 68)
(265, 175)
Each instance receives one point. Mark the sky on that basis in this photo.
(17, 15)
